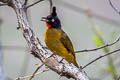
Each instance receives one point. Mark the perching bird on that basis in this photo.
(57, 40)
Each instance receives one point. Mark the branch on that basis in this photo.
(3, 4)
(26, 1)
(95, 49)
(51, 4)
(79, 10)
(35, 71)
(34, 3)
(116, 10)
(67, 70)
(100, 58)
(25, 77)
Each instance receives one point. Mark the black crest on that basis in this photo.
(54, 11)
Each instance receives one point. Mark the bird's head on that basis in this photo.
(52, 20)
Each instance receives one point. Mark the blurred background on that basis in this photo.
(88, 23)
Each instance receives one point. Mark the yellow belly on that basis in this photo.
(52, 40)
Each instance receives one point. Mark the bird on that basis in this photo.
(57, 40)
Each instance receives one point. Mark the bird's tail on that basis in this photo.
(71, 59)
(75, 63)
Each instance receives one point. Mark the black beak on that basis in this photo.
(44, 19)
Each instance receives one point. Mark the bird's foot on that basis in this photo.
(44, 47)
(61, 60)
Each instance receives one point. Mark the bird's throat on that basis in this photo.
(48, 25)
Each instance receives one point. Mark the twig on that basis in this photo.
(36, 71)
(61, 60)
(26, 1)
(95, 49)
(41, 66)
(3, 4)
(116, 10)
(100, 58)
(33, 4)
(25, 77)
(79, 10)
(51, 4)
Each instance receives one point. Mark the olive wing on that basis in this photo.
(67, 43)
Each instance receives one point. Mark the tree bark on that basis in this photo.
(38, 50)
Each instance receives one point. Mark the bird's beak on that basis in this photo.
(44, 19)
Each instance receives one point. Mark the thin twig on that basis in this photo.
(100, 58)
(26, 1)
(79, 10)
(33, 4)
(3, 4)
(116, 10)
(38, 68)
(95, 49)
(25, 77)
(51, 4)
(31, 77)
(36, 71)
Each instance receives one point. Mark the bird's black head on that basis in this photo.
(52, 20)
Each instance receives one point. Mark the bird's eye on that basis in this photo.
(52, 20)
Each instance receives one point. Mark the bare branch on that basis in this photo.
(100, 58)
(95, 49)
(33, 4)
(116, 10)
(25, 77)
(26, 1)
(36, 71)
(79, 10)
(4, 4)
(51, 4)
(67, 70)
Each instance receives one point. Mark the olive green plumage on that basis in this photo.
(57, 40)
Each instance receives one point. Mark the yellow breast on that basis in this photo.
(52, 40)
(52, 35)
(59, 43)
